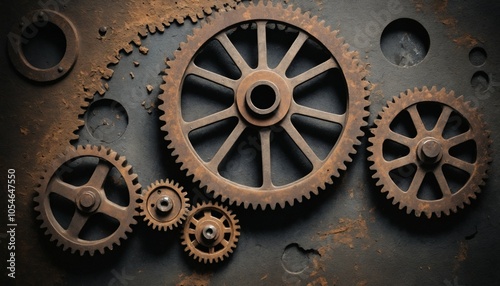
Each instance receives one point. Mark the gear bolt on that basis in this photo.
(429, 150)
(210, 232)
(87, 200)
(164, 204)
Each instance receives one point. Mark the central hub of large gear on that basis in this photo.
(88, 199)
(263, 98)
(429, 151)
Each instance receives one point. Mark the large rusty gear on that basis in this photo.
(164, 205)
(436, 148)
(210, 233)
(271, 116)
(110, 192)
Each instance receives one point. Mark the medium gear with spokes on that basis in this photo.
(263, 99)
(210, 233)
(430, 151)
(87, 200)
(164, 205)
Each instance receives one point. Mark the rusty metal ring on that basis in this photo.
(39, 19)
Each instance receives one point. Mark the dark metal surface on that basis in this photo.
(347, 235)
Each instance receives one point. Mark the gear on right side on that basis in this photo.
(430, 151)
(210, 233)
(164, 205)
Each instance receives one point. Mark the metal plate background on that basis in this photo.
(348, 235)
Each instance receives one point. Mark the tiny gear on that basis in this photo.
(88, 199)
(210, 233)
(430, 151)
(257, 97)
(164, 205)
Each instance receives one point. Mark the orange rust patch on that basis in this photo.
(195, 279)
(346, 233)
(466, 40)
(320, 281)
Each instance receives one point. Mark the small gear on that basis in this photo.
(251, 108)
(164, 205)
(210, 233)
(88, 199)
(430, 151)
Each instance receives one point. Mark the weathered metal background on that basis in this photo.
(348, 235)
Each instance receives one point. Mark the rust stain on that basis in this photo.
(440, 10)
(463, 249)
(362, 283)
(195, 279)
(466, 40)
(320, 281)
(346, 233)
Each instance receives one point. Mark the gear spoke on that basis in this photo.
(399, 138)
(314, 72)
(211, 76)
(461, 138)
(113, 210)
(265, 139)
(100, 174)
(417, 120)
(58, 186)
(262, 44)
(292, 52)
(443, 119)
(211, 119)
(233, 53)
(416, 182)
(318, 114)
(400, 162)
(302, 144)
(443, 184)
(460, 164)
(226, 147)
(77, 223)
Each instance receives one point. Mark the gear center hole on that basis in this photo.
(263, 98)
(46, 48)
